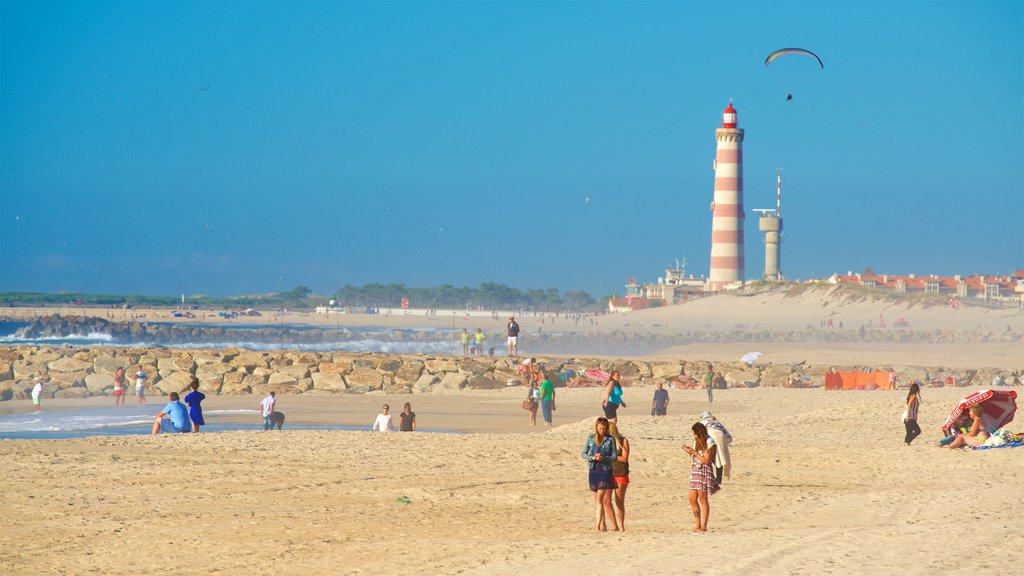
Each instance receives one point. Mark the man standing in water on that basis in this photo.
(267, 406)
(37, 395)
(513, 336)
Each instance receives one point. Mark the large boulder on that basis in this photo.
(439, 365)
(69, 365)
(107, 364)
(409, 373)
(294, 371)
(255, 380)
(667, 370)
(98, 383)
(281, 379)
(338, 366)
(68, 379)
(174, 382)
(329, 382)
(250, 361)
(484, 382)
(424, 383)
(175, 364)
(279, 388)
(364, 380)
(452, 381)
(234, 383)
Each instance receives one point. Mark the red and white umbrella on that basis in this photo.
(997, 408)
(599, 375)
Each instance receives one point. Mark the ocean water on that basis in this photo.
(367, 339)
(129, 421)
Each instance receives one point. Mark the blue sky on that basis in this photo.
(238, 147)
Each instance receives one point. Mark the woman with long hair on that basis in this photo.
(599, 452)
(533, 395)
(613, 397)
(910, 413)
(702, 476)
(977, 434)
(620, 472)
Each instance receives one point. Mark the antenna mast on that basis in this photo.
(778, 195)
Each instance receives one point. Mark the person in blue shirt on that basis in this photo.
(173, 418)
(599, 452)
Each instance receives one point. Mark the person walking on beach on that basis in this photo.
(513, 336)
(547, 398)
(659, 406)
(407, 419)
(533, 396)
(600, 451)
(702, 477)
(612, 397)
(910, 414)
(478, 339)
(709, 383)
(267, 406)
(194, 401)
(620, 472)
(119, 387)
(173, 418)
(722, 439)
(37, 396)
(464, 340)
(383, 422)
(140, 385)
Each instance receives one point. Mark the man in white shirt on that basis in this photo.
(383, 422)
(37, 395)
(267, 410)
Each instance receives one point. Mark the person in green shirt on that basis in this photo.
(547, 399)
(479, 339)
(464, 340)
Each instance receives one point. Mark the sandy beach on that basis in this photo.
(822, 482)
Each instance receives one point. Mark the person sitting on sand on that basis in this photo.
(173, 418)
(977, 434)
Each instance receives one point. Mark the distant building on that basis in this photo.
(674, 288)
(987, 288)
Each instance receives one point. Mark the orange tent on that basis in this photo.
(857, 380)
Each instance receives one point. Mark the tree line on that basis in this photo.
(488, 296)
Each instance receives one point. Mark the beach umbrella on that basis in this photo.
(750, 357)
(997, 409)
(599, 375)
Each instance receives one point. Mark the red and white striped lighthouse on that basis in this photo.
(727, 208)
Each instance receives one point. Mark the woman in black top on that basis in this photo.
(408, 419)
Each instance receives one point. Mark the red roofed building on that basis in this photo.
(986, 288)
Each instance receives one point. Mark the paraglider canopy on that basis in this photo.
(782, 52)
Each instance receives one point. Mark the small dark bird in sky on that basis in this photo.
(204, 88)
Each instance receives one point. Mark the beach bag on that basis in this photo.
(527, 405)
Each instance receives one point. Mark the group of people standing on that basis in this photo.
(607, 454)
(541, 394)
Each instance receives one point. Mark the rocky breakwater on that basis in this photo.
(617, 342)
(81, 372)
(161, 333)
